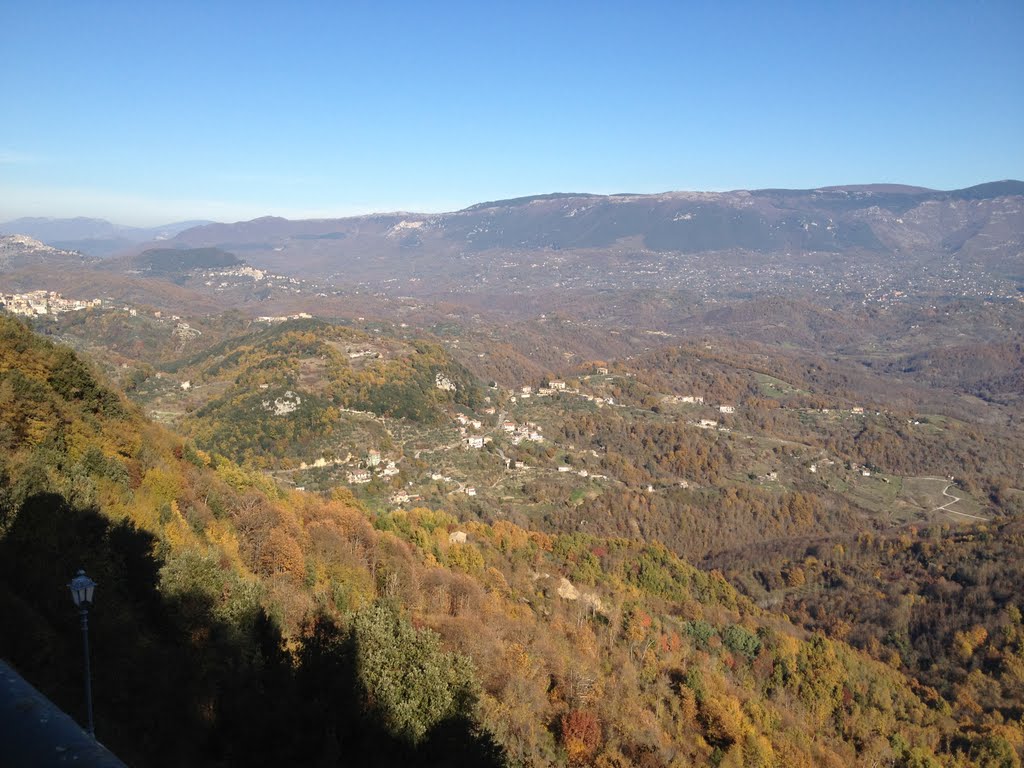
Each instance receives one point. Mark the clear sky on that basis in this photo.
(146, 113)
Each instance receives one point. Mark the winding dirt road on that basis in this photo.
(946, 507)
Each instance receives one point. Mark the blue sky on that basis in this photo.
(145, 113)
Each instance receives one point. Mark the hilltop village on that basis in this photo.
(43, 302)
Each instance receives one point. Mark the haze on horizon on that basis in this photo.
(146, 115)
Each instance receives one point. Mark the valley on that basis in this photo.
(706, 477)
(534, 385)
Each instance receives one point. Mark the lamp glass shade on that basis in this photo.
(82, 588)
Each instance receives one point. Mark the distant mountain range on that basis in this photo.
(93, 237)
(982, 225)
(862, 239)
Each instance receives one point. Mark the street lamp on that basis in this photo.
(82, 588)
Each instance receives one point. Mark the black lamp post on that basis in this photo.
(82, 588)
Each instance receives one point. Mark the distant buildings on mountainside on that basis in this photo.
(35, 303)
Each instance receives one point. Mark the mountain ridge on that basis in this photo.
(1003, 187)
(865, 223)
(87, 227)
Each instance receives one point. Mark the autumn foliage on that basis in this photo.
(244, 624)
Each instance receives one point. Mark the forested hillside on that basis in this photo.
(807, 446)
(238, 623)
(941, 604)
(312, 369)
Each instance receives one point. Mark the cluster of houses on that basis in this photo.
(243, 271)
(698, 400)
(519, 432)
(471, 431)
(554, 387)
(374, 462)
(600, 402)
(857, 410)
(403, 497)
(359, 476)
(472, 434)
(223, 279)
(465, 421)
(466, 424)
(557, 386)
(283, 318)
(711, 423)
(36, 303)
(582, 472)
